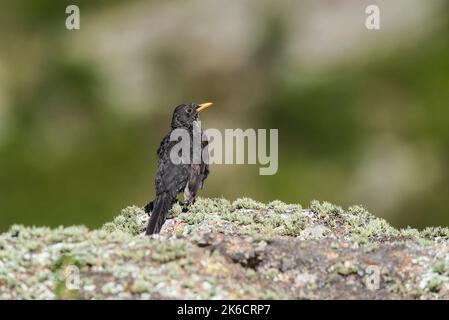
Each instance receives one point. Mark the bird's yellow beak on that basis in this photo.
(203, 106)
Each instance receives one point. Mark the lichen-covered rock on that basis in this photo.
(229, 250)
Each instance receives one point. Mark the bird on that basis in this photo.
(172, 177)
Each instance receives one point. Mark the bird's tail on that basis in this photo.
(162, 204)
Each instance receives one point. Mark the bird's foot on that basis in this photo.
(149, 207)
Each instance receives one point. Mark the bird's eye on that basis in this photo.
(189, 110)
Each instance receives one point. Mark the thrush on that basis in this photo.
(173, 177)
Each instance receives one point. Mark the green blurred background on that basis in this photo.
(363, 116)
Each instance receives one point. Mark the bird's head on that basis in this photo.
(185, 114)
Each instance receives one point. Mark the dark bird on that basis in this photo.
(174, 177)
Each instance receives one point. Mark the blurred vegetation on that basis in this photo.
(70, 153)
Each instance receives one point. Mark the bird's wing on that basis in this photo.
(205, 161)
(170, 177)
(199, 172)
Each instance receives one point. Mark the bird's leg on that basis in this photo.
(185, 207)
(189, 198)
(186, 204)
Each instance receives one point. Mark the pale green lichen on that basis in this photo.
(128, 221)
(275, 219)
(271, 273)
(116, 262)
(367, 225)
(441, 267)
(140, 286)
(192, 217)
(325, 210)
(436, 232)
(169, 251)
(281, 207)
(434, 283)
(175, 211)
(214, 205)
(344, 268)
(247, 203)
(375, 228)
(294, 224)
(362, 226)
(238, 217)
(410, 233)
(278, 218)
(396, 287)
(437, 274)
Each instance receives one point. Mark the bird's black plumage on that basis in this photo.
(173, 178)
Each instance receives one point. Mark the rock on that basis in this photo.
(224, 250)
